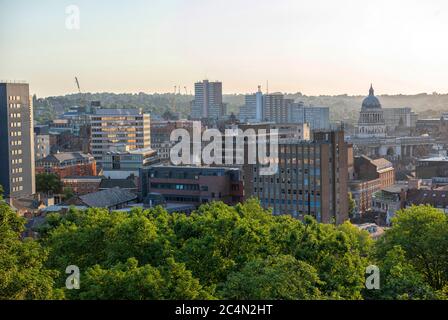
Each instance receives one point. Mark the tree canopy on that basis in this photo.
(222, 252)
(48, 183)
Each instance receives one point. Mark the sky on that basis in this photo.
(314, 47)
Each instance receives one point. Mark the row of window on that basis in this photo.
(178, 198)
(294, 192)
(16, 142)
(14, 98)
(16, 133)
(16, 152)
(17, 170)
(18, 179)
(175, 186)
(138, 118)
(292, 202)
(18, 188)
(14, 106)
(16, 124)
(16, 161)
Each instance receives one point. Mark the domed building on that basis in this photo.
(371, 122)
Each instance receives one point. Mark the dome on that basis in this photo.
(371, 102)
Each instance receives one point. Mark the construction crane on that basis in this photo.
(77, 84)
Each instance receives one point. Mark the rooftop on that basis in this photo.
(183, 167)
(120, 183)
(395, 188)
(125, 150)
(93, 178)
(66, 156)
(382, 163)
(435, 159)
(118, 112)
(107, 198)
(435, 198)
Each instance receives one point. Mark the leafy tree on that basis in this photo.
(277, 277)
(130, 281)
(351, 205)
(22, 274)
(48, 183)
(68, 193)
(422, 233)
(399, 280)
(240, 252)
(168, 115)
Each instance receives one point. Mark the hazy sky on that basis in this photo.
(313, 46)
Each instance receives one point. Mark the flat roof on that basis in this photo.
(396, 188)
(118, 112)
(435, 159)
(191, 167)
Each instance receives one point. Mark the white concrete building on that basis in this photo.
(112, 127)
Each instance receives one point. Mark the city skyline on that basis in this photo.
(314, 48)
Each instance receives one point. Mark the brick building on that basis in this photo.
(369, 176)
(65, 164)
(82, 184)
(311, 178)
(193, 185)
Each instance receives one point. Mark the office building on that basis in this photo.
(429, 168)
(311, 178)
(208, 101)
(193, 185)
(41, 142)
(317, 117)
(399, 118)
(389, 200)
(370, 176)
(82, 184)
(17, 140)
(276, 108)
(111, 127)
(160, 136)
(252, 111)
(121, 162)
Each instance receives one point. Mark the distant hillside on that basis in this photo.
(342, 107)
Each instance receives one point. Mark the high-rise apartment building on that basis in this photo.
(16, 140)
(208, 100)
(252, 111)
(276, 107)
(317, 117)
(41, 142)
(112, 127)
(311, 179)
